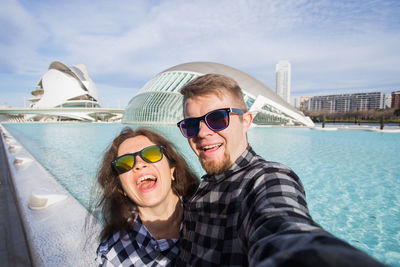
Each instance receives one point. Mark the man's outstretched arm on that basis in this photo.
(277, 230)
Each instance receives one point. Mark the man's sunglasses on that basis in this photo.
(150, 154)
(216, 120)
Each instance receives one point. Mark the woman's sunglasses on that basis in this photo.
(216, 120)
(150, 154)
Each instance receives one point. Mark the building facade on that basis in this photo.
(283, 79)
(65, 87)
(345, 102)
(304, 102)
(388, 101)
(396, 99)
(160, 101)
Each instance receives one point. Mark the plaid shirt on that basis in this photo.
(256, 214)
(137, 248)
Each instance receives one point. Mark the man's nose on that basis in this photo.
(204, 130)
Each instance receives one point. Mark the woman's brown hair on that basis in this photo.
(115, 209)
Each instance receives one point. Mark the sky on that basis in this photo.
(333, 46)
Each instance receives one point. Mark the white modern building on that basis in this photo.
(388, 101)
(159, 101)
(65, 87)
(283, 79)
(345, 102)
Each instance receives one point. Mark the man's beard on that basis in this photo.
(216, 167)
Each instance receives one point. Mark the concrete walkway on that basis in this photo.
(13, 245)
(55, 234)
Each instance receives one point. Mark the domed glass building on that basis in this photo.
(159, 101)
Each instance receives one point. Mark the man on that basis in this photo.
(246, 211)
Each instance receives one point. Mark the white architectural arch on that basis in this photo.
(63, 86)
(160, 101)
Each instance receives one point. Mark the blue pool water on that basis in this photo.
(351, 177)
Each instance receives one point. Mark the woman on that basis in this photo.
(142, 179)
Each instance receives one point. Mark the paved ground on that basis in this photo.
(13, 246)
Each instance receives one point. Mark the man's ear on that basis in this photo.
(247, 120)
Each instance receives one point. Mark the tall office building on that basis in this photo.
(283, 77)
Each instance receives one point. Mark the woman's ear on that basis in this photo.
(122, 192)
(172, 173)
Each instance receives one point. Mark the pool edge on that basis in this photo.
(54, 234)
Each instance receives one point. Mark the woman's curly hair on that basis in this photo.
(116, 210)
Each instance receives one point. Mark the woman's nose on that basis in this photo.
(140, 163)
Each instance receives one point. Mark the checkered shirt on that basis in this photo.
(256, 214)
(137, 248)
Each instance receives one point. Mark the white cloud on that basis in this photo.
(330, 43)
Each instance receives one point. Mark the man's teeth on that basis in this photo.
(146, 177)
(210, 147)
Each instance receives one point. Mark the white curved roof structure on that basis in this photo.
(63, 86)
(159, 100)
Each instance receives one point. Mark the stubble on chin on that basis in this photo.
(217, 166)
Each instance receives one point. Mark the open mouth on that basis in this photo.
(146, 182)
(211, 147)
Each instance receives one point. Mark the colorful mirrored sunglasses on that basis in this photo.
(216, 120)
(150, 154)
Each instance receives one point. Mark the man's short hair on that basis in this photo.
(214, 84)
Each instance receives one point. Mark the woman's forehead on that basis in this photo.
(134, 144)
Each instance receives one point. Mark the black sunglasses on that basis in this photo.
(216, 120)
(150, 154)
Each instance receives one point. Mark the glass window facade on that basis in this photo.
(156, 107)
(248, 100)
(159, 102)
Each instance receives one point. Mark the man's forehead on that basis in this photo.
(206, 103)
(222, 95)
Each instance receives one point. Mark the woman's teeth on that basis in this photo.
(146, 177)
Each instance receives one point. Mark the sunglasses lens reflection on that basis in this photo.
(190, 127)
(151, 154)
(124, 163)
(218, 120)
